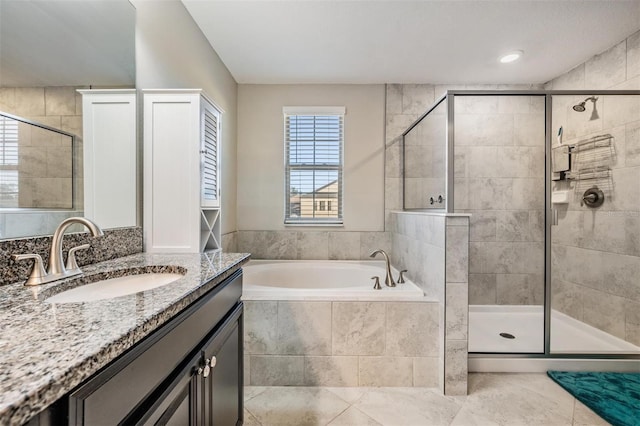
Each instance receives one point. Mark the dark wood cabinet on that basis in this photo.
(223, 387)
(207, 390)
(188, 372)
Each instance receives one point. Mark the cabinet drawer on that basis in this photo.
(109, 396)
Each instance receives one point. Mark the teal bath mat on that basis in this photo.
(613, 396)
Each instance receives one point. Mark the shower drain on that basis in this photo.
(507, 335)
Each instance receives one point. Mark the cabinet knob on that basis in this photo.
(208, 365)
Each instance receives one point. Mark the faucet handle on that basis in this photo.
(37, 273)
(376, 284)
(72, 265)
(401, 277)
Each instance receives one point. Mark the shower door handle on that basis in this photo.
(554, 216)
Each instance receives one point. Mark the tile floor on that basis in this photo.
(494, 399)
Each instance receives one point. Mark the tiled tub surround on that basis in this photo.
(341, 343)
(596, 252)
(312, 244)
(114, 243)
(434, 247)
(299, 332)
(49, 349)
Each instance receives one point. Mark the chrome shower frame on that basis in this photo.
(548, 95)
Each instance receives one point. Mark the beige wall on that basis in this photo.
(261, 152)
(172, 52)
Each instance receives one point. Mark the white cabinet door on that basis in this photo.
(110, 160)
(171, 172)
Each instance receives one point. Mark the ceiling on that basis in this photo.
(429, 41)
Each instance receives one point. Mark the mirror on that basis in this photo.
(48, 50)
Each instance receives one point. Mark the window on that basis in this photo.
(314, 139)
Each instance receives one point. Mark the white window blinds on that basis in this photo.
(314, 139)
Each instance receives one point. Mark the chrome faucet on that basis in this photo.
(57, 270)
(389, 278)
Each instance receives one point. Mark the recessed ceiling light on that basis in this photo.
(511, 56)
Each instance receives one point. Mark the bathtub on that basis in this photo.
(322, 280)
(321, 323)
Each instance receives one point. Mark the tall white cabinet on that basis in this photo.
(181, 172)
(110, 156)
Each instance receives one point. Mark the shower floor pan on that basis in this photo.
(522, 329)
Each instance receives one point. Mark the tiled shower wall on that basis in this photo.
(499, 179)
(596, 252)
(499, 169)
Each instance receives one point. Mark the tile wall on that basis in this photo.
(434, 248)
(499, 170)
(499, 179)
(57, 107)
(310, 245)
(341, 343)
(596, 252)
(46, 169)
(425, 162)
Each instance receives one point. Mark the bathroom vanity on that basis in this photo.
(172, 354)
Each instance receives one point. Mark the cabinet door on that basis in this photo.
(209, 155)
(175, 403)
(171, 172)
(180, 406)
(109, 133)
(223, 405)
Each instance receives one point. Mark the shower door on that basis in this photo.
(499, 178)
(595, 232)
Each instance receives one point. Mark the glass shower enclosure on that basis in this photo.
(551, 181)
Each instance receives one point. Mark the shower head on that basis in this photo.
(581, 106)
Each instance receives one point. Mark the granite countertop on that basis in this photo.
(48, 349)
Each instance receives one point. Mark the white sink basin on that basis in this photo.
(114, 287)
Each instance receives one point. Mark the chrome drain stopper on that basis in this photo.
(507, 335)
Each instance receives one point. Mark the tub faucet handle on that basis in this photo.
(401, 277)
(376, 284)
